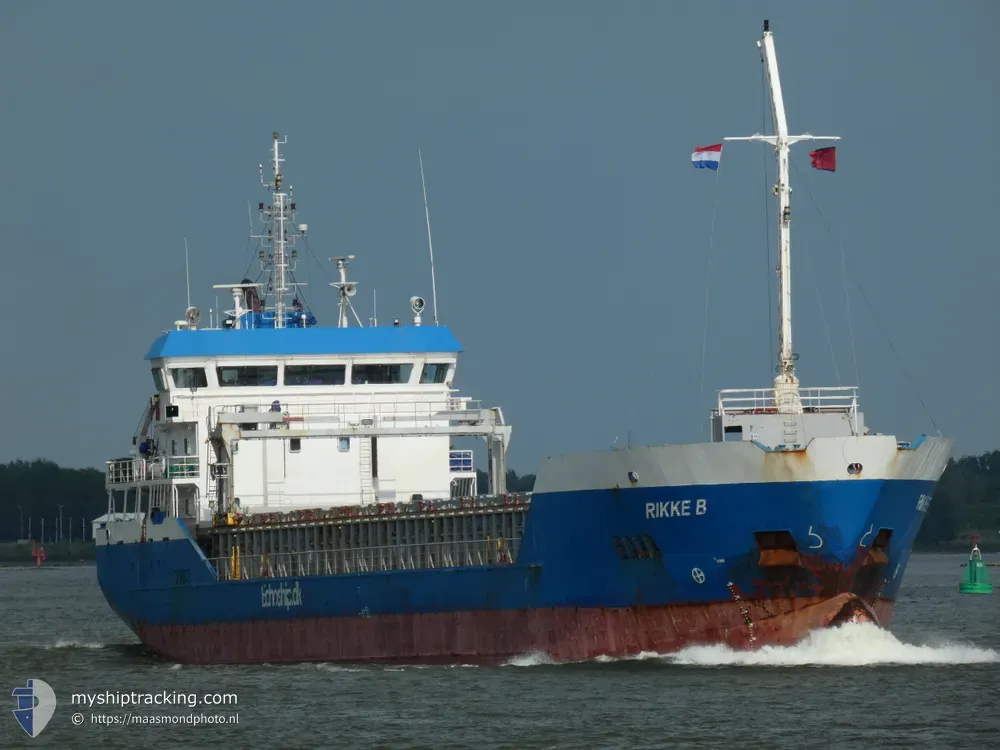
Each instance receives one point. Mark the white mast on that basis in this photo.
(280, 260)
(282, 211)
(786, 384)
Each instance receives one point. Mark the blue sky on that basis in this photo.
(571, 233)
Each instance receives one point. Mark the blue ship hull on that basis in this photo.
(586, 580)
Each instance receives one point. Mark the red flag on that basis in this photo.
(824, 158)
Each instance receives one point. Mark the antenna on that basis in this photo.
(187, 273)
(430, 243)
(374, 309)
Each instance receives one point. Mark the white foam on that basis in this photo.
(533, 659)
(848, 645)
(335, 668)
(64, 643)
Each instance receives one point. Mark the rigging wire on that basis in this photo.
(871, 309)
(708, 274)
(256, 250)
(322, 268)
(811, 264)
(843, 270)
(801, 175)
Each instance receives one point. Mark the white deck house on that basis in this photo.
(306, 418)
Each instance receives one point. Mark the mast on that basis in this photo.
(282, 212)
(280, 261)
(786, 384)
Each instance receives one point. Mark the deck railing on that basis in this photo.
(836, 400)
(356, 409)
(132, 470)
(367, 559)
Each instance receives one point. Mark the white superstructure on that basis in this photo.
(267, 412)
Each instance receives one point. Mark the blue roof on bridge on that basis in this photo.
(268, 342)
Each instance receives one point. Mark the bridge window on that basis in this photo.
(158, 378)
(189, 377)
(434, 373)
(253, 375)
(366, 374)
(315, 374)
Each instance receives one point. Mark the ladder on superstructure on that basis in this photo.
(365, 467)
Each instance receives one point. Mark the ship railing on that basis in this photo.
(132, 470)
(457, 554)
(183, 467)
(355, 409)
(833, 400)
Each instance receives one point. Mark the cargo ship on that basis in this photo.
(296, 492)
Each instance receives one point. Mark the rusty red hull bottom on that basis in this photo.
(562, 634)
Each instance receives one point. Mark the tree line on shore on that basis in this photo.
(40, 495)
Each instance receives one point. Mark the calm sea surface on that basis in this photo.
(934, 682)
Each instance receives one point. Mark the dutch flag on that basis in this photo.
(707, 157)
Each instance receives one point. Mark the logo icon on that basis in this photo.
(35, 705)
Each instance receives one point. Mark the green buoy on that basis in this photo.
(977, 576)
